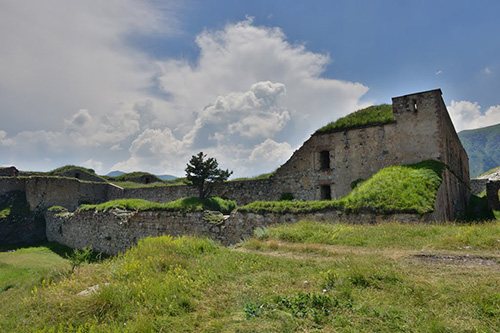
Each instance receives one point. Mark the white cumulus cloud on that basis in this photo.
(468, 115)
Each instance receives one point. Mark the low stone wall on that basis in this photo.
(242, 225)
(478, 185)
(243, 192)
(45, 192)
(492, 189)
(115, 231)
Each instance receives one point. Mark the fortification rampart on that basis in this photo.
(325, 167)
(478, 185)
(116, 230)
(327, 164)
(44, 192)
(243, 192)
(492, 191)
(8, 184)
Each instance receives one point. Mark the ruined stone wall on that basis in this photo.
(45, 192)
(492, 188)
(8, 184)
(82, 175)
(243, 192)
(478, 185)
(355, 154)
(422, 130)
(115, 231)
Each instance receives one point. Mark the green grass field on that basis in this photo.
(302, 277)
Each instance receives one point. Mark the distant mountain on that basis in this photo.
(119, 173)
(115, 173)
(166, 177)
(483, 147)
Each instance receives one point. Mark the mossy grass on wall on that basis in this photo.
(370, 116)
(397, 189)
(183, 204)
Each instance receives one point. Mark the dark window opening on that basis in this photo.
(326, 192)
(77, 175)
(324, 159)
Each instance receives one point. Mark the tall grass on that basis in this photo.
(190, 284)
(447, 236)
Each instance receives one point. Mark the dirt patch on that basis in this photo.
(459, 259)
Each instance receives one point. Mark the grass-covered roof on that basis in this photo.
(370, 116)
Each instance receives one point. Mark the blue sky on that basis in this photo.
(138, 85)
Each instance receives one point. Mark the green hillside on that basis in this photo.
(482, 146)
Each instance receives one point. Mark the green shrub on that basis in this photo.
(78, 257)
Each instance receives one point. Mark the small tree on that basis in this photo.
(203, 173)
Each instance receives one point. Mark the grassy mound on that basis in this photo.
(371, 116)
(65, 168)
(136, 176)
(183, 204)
(397, 189)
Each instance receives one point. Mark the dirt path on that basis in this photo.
(321, 252)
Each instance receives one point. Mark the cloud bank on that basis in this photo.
(76, 91)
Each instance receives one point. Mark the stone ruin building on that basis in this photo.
(326, 165)
(323, 168)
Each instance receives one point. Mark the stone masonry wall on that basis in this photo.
(492, 188)
(115, 231)
(8, 184)
(478, 185)
(45, 192)
(422, 130)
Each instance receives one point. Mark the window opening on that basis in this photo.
(324, 159)
(326, 192)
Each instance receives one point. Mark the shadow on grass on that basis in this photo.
(478, 210)
(61, 250)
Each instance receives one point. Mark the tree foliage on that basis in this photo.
(203, 173)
